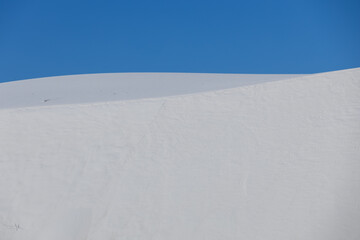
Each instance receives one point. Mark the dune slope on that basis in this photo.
(275, 160)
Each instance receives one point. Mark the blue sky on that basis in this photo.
(42, 38)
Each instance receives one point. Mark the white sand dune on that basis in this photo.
(90, 88)
(181, 156)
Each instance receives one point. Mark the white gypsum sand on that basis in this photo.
(181, 156)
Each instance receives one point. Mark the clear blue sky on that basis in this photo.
(42, 38)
